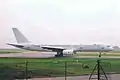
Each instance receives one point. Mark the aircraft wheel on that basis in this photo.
(58, 55)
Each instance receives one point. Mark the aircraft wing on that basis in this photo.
(53, 48)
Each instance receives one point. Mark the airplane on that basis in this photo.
(62, 50)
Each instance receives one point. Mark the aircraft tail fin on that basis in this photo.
(19, 36)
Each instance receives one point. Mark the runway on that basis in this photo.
(28, 55)
(86, 77)
(44, 55)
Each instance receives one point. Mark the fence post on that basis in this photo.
(26, 69)
(65, 70)
(98, 72)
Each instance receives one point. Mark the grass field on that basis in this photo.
(4, 51)
(54, 66)
(96, 54)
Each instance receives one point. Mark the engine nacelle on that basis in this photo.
(68, 52)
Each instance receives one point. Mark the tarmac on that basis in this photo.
(44, 55)
(86, 77)
(28, 55)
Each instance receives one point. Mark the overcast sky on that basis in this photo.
(61, 21)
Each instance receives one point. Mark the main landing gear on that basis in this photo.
(59, 54)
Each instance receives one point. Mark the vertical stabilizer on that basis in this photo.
(19, 36)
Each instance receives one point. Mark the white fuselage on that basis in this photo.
(80, 48)
(24, 43)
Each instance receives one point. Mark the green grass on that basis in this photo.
(96, 54)
(54, 66)
(16, 67)
(4, 51)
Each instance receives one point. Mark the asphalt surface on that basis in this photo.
(29, 55)
(110, 77)
(45, 55)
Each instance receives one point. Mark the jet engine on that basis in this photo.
(68, 52)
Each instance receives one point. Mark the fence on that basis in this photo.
(26, 69)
